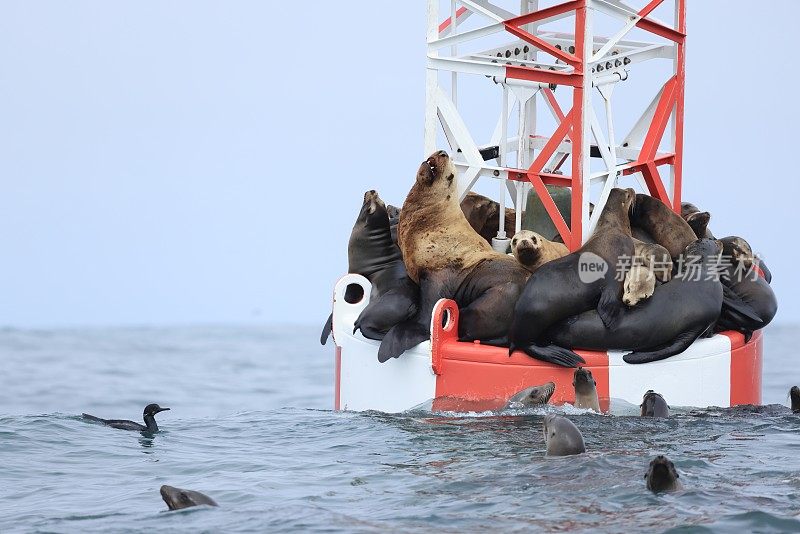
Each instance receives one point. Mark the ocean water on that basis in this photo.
(251, 425)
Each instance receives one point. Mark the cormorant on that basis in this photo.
(149, 420)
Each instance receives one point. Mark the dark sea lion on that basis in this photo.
(585, 390)
(532, 250)
(662, 326)
(697, 219)
(654, 405)
(665, 226)
(662, 475)
(448, 259)
(746, 288)
(483, 214)
(794, 395)
(532, 396)
(149, 416)
(581, 281)
(177, 498)
(562, 437)
(373, 254)
(394, 217)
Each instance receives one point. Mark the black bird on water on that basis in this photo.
(149, 420)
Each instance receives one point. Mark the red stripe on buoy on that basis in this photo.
(746, 362)
(337, 387)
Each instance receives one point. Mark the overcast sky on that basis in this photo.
(197, 161)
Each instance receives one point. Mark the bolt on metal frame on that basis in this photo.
(530, 67)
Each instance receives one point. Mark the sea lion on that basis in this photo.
(532, 250)
(372, 254)
(639, 284)
(581, 281)
(177, 498)
(483, 214)
(561, 436)
(450, 260)
(665, 226)
(662, 326)
(585, 390)
(394, 217)
(697, 220)
(750, 302)
(532, 396)
(654, 405)
(662, 475)
(794, 394)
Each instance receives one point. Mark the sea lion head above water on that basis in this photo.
(662, 475)
(177, 498)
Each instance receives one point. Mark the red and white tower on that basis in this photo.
(525, 57)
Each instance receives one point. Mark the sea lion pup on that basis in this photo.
(698, 220)
(639, 284)
(585, 390)
(372, 254)
(654, 405)
(561, 436)
(450, 260)
(177, 498)
(532, 250)
(662, 476)
(665, 226)
(750, 303)
(581, 281)
(662, 326)
(532, 396)
(650, 263)
(794, 395)
(483, 215)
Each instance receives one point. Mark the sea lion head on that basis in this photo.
(704, 248)
(661, 475)
(534, 395)
(373, 210)
(583, 381)
(648, 403)
(437, 175)
(640, 283)
(738, 250)
(526, 247)
(687, 208)
(794, 394)
(177, 498)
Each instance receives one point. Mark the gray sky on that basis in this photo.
(197, 161)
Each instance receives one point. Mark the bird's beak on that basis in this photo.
(163, 410)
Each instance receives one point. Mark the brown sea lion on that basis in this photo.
(654, 405)
(177, 498)
(532, 250)
(562, 437)
(581, 281)
(666, 227)
(450, 260)
(532, 396)
(697, 219)
(483, 214)
(662, 475)
(585, 390)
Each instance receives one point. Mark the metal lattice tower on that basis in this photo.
(529, 66)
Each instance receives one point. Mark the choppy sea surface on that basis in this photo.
(251, 426)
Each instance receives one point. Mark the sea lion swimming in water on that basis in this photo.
(177, 498)
(373, 254)
(654, 405)
(585, 390)
(149, 416)
(581, 281)
(561, 436)
(794, 395)
(662, 475)
(448, 259)
(532, 396)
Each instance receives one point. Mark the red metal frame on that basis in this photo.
(671, 104)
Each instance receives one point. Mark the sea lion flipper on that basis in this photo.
(553, 354)
(400, 338)
(610, 306)
(734, 305)
(326, 330)
(678, 345)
